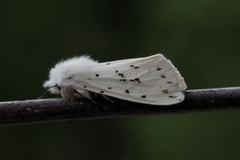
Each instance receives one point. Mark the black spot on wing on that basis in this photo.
(121, 75)
(159, 69)
(127, 91)
(135, 67)
(109, 87)
(123, 80)
(97, 75)
(137, 80)
(116, 71)
(163, 76)
(101, 91)
(143, 96)
(169, 82)
(84, 86)
(171, 96)
(165, 91)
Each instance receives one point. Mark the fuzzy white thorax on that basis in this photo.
(65, 69)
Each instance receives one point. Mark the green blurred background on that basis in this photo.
(200, 37)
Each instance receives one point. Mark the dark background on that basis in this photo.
(200, 37)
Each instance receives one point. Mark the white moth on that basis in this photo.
(151, 80)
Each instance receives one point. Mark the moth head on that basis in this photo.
(52, 87)
(54, 83)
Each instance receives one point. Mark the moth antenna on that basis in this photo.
(46, 91)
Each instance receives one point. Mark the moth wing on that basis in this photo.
(150, 80)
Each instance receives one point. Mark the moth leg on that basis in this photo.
(107, 98)
(87, 97)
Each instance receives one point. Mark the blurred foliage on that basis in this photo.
(200, 37)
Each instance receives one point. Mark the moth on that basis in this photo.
(150, 80)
